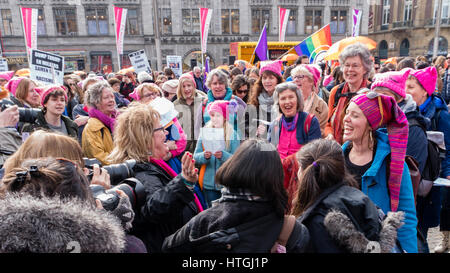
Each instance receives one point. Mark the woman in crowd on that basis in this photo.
(291, 131)
(127, 85)
(24, 92)
(356, 64)
(252, 208)
(97, 135)
(261, 97)
(421, 85)
(376, 159)
(307, 77)
(169, 201)
(189, 100)
(121, 101)
(144, 77)
(146, 92)
(160, 80)
(241, 87)
(4, 78)
(72, 90)
(53, 101)
(235, 72)
(329, 204)
(337, 78)
(219, 112)
(169, 89)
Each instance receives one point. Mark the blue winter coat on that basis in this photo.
(213, 164)
(445, 92)
(374, 184)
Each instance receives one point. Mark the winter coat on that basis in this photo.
(41, 123)
(213, 164)
(445, 92)
(200, 85)
(126, 89)
(54, 225)
(121, 101)
(79, 111)
(374, 184)
(186, 117)
(10, 141)
(239, 226)
(97, 141)
(168, 205)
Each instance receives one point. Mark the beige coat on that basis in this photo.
(319, 108)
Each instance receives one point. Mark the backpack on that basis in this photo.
(339, 94)
(436, 154)
(414, 172)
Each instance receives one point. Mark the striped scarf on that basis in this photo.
(380, 111)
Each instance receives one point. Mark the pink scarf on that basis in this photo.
(161, 163)
(108, 121)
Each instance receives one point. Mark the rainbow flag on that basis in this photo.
(315, 44)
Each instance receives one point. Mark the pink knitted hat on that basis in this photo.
(393, 80)
(188, 76)
(427, 77)
(314, 71)
(49, 89)
(219, 106)
(12, 84)
(381, 110)
(274, 66)
(135, 94)
(7, 75)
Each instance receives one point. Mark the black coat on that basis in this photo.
(126, 89)
(354, 204)
(41, 123)
(169, 204)
(235, 227)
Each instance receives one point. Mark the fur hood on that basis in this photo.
(52, 225)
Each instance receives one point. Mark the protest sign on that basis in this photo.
(139, 61)
(213, 139)
(175, 63)
(46, 67)
(3, 65)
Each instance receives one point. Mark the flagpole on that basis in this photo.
(301, 42)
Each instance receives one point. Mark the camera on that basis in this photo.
(132, 187)
(117, 172)
(27, 115)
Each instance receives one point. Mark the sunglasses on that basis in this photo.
(242, 91)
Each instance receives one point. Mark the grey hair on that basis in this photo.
(222, 77)
(360, 50)
(196, 68)
(93, 95)
(280, 88)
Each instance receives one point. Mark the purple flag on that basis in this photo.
(261, 49)
(206, 70)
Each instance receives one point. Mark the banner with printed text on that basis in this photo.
(29, 23)
(283, 20)
(120, 19)
(205, 19)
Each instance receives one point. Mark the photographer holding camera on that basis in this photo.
(10, 139)
(169, 200)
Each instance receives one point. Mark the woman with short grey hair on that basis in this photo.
(96, 139)
(356, 63)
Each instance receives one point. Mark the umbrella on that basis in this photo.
(335, 50)
(289, 58)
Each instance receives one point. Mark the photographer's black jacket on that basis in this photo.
(169, 205)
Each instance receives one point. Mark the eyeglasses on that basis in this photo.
(158, 129)
(299, 77)
(72, 84)
(242, 91)
(150, 95)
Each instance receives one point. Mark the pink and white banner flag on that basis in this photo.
(205, 19)
(29, 23)
(120, 19)
(356, 15)
(283, 20)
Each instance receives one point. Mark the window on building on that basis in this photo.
(404, 48)
(291, 28)
(230, 21)
(41, 23)
(132, 27)
(408, 11)
(191, 21)
(445, 9)
(166, 21)
(383, 50)
(259, 18)
(338, 24)
(97, 21)
(386, 12)
(99, 60)
(6, 22)
(313, 21)
(66, 21)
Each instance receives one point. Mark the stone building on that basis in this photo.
(407, 27)
(83, 30)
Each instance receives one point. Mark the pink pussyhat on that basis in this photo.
(219, 106)
(427, 77)
(12, 84)
(188, 76)
(274, 66)
(135, 94)
(393, 80)
(49, 89)
(7, 75)
(312, 68)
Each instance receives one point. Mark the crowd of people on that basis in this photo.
(335, 157)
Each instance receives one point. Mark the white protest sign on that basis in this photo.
(46, 67)
(175, 63)
(213, 139)
(3, 65)
(139, 61)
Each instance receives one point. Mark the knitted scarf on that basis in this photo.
(289, 125)
(380, 111)
(342, 104)
(108, 121)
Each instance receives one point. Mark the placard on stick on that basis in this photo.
(139, 61)
(47, 67)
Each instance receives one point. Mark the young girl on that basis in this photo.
(219, 112)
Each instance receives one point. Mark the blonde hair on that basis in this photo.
(180, 87)
(46, 144)
(228, 131)
(133, 133)
(150, 86)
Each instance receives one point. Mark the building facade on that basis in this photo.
(407, 27)
(83, 30)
